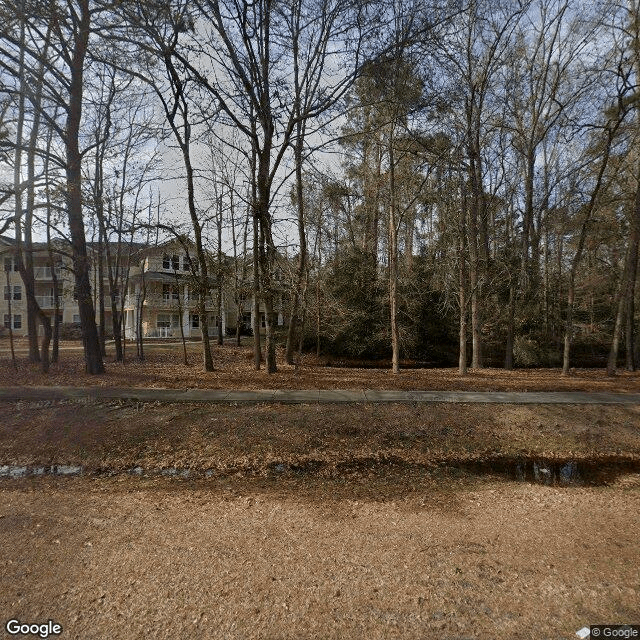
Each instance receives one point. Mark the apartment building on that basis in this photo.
(48, 278)
(162, 295)
(158, 284)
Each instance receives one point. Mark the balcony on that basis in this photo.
(163, 332)
(48, 302)
(45, 273)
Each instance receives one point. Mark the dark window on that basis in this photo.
(195, 321)
(7, 321)
(170, 292)
(17, 322)
(166, 262)
(17, 292)
(175, 262)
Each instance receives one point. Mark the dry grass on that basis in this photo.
(163, 367)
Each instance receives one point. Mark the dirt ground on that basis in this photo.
(164, 367)
(381, 537)
(240, 558)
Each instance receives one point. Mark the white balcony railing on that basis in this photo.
(45, 273)
(48, 302)
(163, 332)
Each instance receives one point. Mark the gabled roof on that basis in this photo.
(37, 246)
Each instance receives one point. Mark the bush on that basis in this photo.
(528, 353)
(70, 331)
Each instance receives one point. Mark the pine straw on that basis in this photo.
(253, 439)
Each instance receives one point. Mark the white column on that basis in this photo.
(186, 325)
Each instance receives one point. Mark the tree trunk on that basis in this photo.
(101, 309)
(508, 357)
(220, 275)
(612, 361)
(185, 358)
(631, 279)
(267, 255)
(568, 331)
(393, 261)
(13, 353)
(25, 258)
(294, 319)
(116, 325)
(462, 293)
(568, 334)
(257, 349)
(52, 259)
(92, 351)
(139, 310)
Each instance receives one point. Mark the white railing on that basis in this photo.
(161, 332)
(47, 302)
(45, 273)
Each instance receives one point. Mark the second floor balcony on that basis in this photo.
(48, 302)
(46, 273)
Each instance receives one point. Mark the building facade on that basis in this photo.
(159, 285)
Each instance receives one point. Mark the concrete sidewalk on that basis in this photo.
(314, 396)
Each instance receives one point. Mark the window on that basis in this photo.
(167, 320)
(170, 292)
(163, 321)
(195, 321)
(17, 321)
(10, 264)
(17, 292)
(76, 318)
(171, 262)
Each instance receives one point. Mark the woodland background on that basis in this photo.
(443, 182)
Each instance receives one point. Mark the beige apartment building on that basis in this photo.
(160, 295)
(47, 278)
